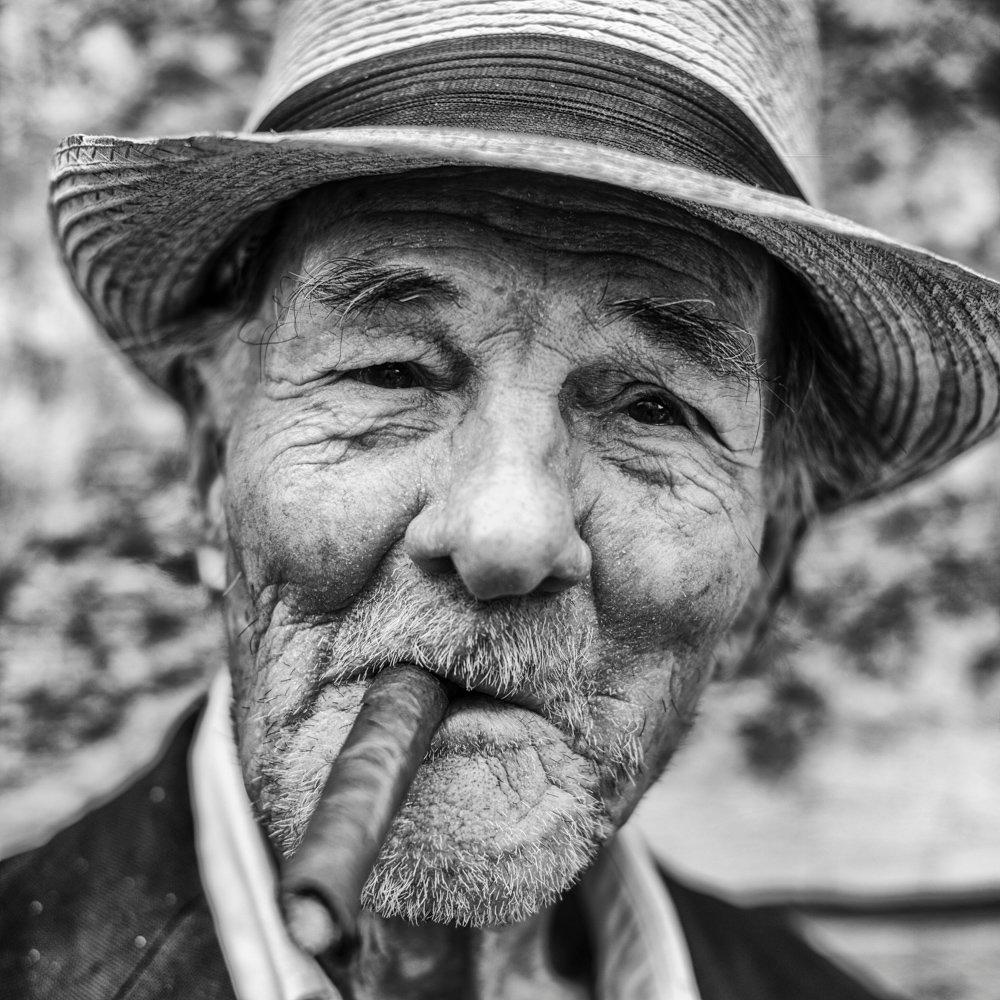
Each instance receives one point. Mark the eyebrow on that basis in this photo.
(347, 285)
(724, 348)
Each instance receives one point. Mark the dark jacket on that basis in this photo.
(113, 907)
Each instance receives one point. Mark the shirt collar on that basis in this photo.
(640, 949)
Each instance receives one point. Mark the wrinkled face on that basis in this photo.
(509, 429)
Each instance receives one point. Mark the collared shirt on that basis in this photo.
(640, 952)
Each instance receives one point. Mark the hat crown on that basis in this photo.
(759, 54)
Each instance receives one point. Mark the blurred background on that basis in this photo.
(858, 753)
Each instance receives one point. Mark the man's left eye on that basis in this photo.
(656, 410)
(388, 376)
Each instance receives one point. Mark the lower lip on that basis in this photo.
(478, 715)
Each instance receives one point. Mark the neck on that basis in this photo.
(522, 960)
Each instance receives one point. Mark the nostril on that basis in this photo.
(492, 571)
(573, 562)
(427, 542)
(435, 565)
(487, 581)
(556, 584)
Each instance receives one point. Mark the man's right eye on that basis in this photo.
(388, 376)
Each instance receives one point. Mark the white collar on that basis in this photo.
(641, 952)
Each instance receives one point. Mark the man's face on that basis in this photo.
(507, 428)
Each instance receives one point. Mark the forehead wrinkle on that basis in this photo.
(479, 195)
(580, 222)
(571, 228)
(564, 199)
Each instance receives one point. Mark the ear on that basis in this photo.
(206, 475)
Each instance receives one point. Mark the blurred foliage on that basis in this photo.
(100, 605)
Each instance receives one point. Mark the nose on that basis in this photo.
(506, 525)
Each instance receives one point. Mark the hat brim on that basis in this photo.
(139, 220)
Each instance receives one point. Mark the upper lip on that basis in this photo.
(457, 682)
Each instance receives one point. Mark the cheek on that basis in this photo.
(671, 574)
(672, 567)
(314, 516)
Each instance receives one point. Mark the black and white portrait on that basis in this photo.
(500, 500)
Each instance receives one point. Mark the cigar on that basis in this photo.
(320, 886)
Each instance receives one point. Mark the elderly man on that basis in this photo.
(510, 348)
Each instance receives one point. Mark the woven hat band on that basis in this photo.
(566, 88)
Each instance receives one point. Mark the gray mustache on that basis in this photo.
(515, 645)
(541, 653)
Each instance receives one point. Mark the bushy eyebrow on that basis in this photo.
(347, 285)
(723, 348)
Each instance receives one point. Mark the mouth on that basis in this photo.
(484, 718)
(462, 688)
(465, 693)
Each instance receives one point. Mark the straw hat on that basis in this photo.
(710, 104)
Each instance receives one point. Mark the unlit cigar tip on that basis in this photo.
(310, 924)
